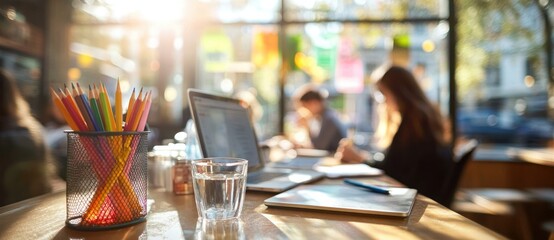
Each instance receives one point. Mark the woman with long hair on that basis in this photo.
(413, 133)
(25, 165)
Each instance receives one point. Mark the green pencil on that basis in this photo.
(95, 110)
(104, 107)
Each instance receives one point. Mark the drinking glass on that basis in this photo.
(219, 186)
(231, 229)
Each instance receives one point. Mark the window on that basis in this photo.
(362, 49)
(257, 51)
(503, 73)
(492, 76)
(243, 62)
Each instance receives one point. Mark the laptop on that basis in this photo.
(225, 129)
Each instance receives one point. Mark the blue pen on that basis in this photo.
(367, 186)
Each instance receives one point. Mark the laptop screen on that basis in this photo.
(224, 128)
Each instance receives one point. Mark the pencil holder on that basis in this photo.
(106, 179)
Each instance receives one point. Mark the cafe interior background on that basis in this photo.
(488, 64)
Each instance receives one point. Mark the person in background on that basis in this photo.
(322, 124)
(55, 138)
(25, 164)
(248, 99)
(413, 133)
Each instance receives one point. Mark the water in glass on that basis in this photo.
(219, 195)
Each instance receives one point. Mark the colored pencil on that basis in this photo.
(73, 108)
(144, 117)
(140, 110)
(134, 112)
(84, 111)
(94, 109)
(84, 98)
(63, 110)
(106, 109)
(99, 104)
(109, 108)
(130, 106)
(118, 109)
(73, 111)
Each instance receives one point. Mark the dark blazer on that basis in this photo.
(331, 132)
(422, 164)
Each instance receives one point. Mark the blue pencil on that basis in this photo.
(87, 107)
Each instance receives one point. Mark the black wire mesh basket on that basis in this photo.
(106, 179)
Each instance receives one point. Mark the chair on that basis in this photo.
(512, 212)
(461, 156)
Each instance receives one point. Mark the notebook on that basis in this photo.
(225, 129)
(345, 198)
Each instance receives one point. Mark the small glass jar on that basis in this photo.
(182, 178)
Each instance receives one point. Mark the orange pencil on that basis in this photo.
(140, 112)
(130, 107)
(63, 110)
(134, 112)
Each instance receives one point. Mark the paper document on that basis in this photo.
(348, 170)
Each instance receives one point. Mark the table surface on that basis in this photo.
(175, 217)
(541, 156)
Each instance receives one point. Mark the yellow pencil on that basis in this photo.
(110, 112)
(118, 109)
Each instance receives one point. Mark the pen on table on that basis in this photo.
(367, 186)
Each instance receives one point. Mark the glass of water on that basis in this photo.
(219, 186)
(222, 229)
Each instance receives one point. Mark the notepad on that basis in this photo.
(348, 170)
(349, 199)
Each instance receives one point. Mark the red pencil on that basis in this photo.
(73, 111)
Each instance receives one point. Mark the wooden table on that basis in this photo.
(175, 217)
(509, 190)
(541, 156)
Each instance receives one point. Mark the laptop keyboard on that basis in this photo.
(257, 177)
(297, 163)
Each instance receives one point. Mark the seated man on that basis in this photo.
(315, 118)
